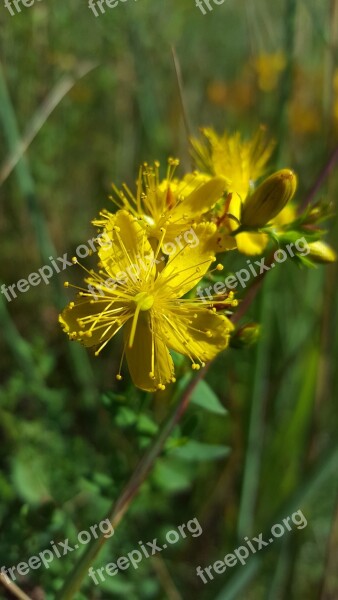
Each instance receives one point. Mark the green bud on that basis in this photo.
(245, 336)
(268, 199)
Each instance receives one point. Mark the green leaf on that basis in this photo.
(30, 477)
(198, 451)
(204, 397)
(170, 475)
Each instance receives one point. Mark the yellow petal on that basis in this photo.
(148, 353)
(92, 322)
(251, 243)
(203, 338)
(286, 216)
(224, 242)
(188, 265)
(125, 250)
(200, 200)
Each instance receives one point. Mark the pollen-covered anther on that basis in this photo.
(152, 375)
(195, 366)
(66, 284)
(74, 260)
(161, 387)
(208, 333)
(219, 267)
(119, 377)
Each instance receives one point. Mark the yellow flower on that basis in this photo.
(130, 292)
(268, 68)
(240, 162)
(171, 203)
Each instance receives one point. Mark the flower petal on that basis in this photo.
(200, 200)
(148, 353)
(251, 243)
(93, 322)
(125, 249)
(188, 265)
(196, 332)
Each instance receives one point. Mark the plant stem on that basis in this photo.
(117, 511)
(13, 588)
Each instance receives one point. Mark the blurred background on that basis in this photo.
(90, 98)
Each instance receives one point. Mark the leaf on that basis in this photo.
(171, 475)
(204, 397)
(29, 474)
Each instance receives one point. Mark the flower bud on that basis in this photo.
(268, 199)
(245, 336)
(320, 252)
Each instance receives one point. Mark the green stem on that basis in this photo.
(117, 511)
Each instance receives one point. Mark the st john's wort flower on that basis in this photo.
(131, 293)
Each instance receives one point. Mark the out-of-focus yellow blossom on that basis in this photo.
(131, 293)
(269, 68)
(217, 93)
(304, 119)
(240, 162)
(170, 204)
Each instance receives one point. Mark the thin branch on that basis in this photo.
(13, 588)
(50, 103)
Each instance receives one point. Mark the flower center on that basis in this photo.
(144, 301)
